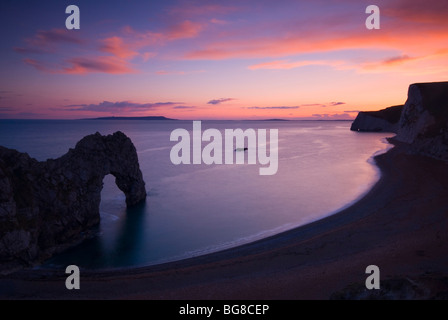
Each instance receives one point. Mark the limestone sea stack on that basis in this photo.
(422, 122)
(47, 206)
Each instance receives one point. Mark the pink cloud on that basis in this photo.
(83, 65)
(44, 37)
(109, 65)
(397, 59)
(139, 39)
(116, 46)
(276, 47)
(123, 48)
(429, 63)
(148, 55)
(218, 21)
(131, 43)
(184, 30)
(46, 41)
(427, 22)
(38, 65)
(420, 59)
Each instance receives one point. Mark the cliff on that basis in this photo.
(422, 122)
(385, 120)
(47, 206)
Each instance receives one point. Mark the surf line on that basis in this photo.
(234, 144)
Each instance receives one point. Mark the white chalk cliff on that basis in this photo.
(422, 122)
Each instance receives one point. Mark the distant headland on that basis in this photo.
(131, 118)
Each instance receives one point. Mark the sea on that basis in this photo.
(195, 209)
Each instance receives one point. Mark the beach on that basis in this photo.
(399, 226)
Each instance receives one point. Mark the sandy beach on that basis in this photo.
(400, 226)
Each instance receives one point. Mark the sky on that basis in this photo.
(208, 59)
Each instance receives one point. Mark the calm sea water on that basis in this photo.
(197, 209)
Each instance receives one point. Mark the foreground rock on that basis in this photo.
(423, 287)
(47, 206)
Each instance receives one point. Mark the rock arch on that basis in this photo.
(47, 206)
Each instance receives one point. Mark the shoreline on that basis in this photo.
(399, 225)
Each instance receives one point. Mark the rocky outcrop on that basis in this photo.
(47, 206)
(385, 120)
(422, 287)
(424, 121)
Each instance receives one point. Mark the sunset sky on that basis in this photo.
(207, 59)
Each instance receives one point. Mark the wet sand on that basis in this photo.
(400, 225)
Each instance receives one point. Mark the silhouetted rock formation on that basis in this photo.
(385, 120)
(47, 206)
(423, 121)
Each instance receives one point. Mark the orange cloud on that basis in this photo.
(286, 65)
(432, 63)
(398, 59)
(318, 42)
(413, 26)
